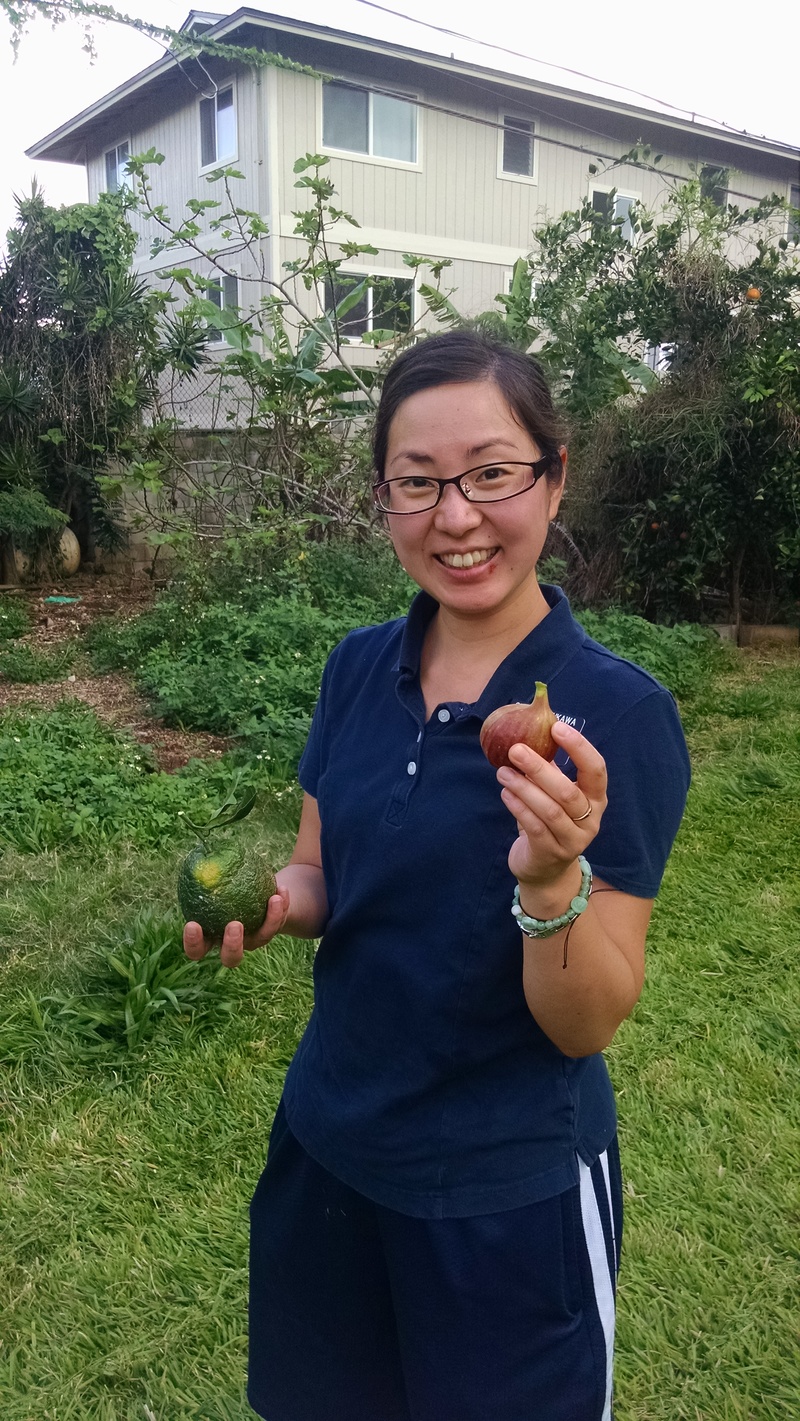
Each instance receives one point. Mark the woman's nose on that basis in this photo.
(454, 510)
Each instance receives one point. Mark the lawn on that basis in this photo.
(125, 1176)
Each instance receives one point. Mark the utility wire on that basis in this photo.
(578, 73)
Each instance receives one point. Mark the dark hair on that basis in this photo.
(456, 358)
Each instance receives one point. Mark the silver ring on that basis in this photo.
(585, 814)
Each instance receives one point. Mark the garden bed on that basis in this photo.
(113, 697)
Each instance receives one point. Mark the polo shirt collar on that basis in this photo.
(541, 655)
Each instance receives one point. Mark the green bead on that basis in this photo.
(538, 928)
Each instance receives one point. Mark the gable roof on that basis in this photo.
(66, 144)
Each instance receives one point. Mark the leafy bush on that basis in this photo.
(246, 673)
(687, 481)
(134, 982)
(14, 620)
(362, 579)
(24, 663)
(250, 664)
(68, 779)
(681, 657)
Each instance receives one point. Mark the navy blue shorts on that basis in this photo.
(360, 1313)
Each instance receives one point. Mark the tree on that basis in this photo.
(79, 355)
(688, 481)
(281, 381)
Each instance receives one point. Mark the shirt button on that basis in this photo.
(412, 767)
(444, 715)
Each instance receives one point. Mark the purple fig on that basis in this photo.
(520, 724)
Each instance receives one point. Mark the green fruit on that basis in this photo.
(228, 885)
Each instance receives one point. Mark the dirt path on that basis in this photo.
(113, 697)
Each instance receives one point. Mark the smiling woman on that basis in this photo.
(436, 1234)
(476, 549)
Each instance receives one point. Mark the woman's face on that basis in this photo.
(442, 432)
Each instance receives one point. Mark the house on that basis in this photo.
(433, 155)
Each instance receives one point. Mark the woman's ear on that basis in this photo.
(556, 489)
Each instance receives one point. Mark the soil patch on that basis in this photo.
(113, 697)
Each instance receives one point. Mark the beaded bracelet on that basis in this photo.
(547, 927)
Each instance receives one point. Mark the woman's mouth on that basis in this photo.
(474, 558)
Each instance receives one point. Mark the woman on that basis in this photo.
(436, 1234)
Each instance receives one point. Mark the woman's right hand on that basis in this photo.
(235, 942)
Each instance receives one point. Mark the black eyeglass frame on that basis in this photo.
(539, 466)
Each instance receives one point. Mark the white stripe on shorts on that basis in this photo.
(598, 1256)
(615, 1250)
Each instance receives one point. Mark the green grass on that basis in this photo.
(125, 1179)
(708, 1079)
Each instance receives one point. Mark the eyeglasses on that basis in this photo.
(489, 483)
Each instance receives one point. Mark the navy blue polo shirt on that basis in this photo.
(422, 1079)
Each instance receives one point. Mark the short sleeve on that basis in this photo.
(648, 781)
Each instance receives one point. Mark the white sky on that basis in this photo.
(709, 56)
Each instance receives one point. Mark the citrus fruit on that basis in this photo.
(228, 884)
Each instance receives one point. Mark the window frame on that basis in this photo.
(717, 168)
(220, 340)
(125, 180)
(793, 223)
(508, 277)
(608, 188)
(361, 272)
(411, 96)
(515, 111)
(209, 98)
(659, 358)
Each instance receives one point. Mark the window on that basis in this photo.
(517, 146)
(387, 306)
(793, 231)
(358, 121)
(116, 158)
(660, 358)
(217, 128)
(714, 184)
(224, 293)
(508, 282)
(616, 206)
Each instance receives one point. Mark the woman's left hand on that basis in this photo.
(550, 809)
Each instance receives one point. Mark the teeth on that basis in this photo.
(467, 559)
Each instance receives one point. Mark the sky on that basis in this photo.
(704, 56)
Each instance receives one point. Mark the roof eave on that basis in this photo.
(59, 139)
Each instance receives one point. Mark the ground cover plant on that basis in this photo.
(13, 619)
(243, 655)
(24, 663)
(130, 1145)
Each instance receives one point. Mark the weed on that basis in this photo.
(135, 981)
(14, 620)
(68, 779)
(24, 663)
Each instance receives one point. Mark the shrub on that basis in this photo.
(67, 779)
(250, 663)
(14, 620)
(681, 657)
(24, 663)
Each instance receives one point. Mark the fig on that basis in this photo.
(520, 724)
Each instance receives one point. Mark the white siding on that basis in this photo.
(454, 202)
